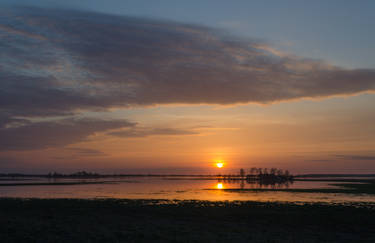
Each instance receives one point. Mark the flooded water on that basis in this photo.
(172, 188)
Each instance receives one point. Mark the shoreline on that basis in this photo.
(126, 220)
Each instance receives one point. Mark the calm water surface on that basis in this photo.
(172, 188)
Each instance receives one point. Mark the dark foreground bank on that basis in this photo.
(74, 220)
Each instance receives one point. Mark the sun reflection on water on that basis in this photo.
(219, 186)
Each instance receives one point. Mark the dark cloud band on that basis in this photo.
(46, 134)
(65, 60)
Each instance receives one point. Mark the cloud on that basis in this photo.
(7, 121)
(146, 132)
(78, 153)
(319, 160)
(85, 152)
(39, 135)
(356, 157)
(14, 31)
(85, 60)
(25, 135)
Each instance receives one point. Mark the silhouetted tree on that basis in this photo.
(280, 172)
(242, 173)
(253, 170)
(273, 171)
(265, 171)
(260, 171)
(287, 174)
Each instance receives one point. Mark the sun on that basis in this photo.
(219, 165)
(219, 186)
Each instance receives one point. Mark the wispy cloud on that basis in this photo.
(146, 132)
(78, 153)
(356, 157)
(39, 135)
(85, 152)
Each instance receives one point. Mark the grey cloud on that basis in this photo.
(356, 157)
(96, 61)
(22, 95)
(7, 121)
(145, 132)
(86, 152)
(58, 133)
(319, 160)
(11, 30)
(78, 153)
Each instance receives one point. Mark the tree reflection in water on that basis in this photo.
(259, 178)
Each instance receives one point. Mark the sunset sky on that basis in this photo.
(171, 86)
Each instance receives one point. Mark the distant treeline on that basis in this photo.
(79, 174)
(336, 175)
(56, 175)
(253, 173)
(84, 174)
